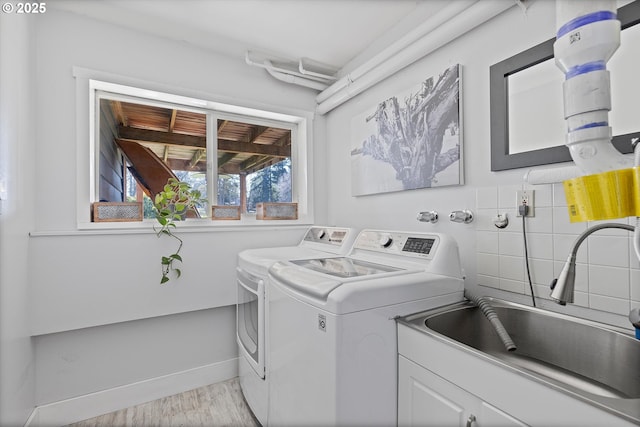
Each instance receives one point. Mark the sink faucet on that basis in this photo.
(562, 287)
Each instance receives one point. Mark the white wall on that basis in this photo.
(94, 295)
(504, 36)
(84, 280)
(17, 186)
(119, 354)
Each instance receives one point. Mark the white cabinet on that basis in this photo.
(425, 399)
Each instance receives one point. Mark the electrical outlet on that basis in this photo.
(525, 197)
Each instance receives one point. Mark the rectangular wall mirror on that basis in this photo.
(527, 117)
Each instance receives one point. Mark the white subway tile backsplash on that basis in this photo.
(609, 250)
(633, 258)
(612, 305)
(487, 242)
(543, 195)
(607, 269)
(542, 222)
(541, 271)
(512, 285)
(540, 291)
(581, 299)
(511, 244)
(488, 264)
(490, 281)
(582, 283)
(609, 281)
(562, 225)
(511, 267)
(635, 285)
(559, 198)
(540, 246)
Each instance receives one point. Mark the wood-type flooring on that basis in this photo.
(220, 404)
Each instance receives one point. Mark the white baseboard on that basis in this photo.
(102, 402)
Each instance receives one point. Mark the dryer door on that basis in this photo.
(250, 318)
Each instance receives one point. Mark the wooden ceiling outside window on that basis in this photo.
(179, 138)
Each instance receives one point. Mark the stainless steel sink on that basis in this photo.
(584, 358)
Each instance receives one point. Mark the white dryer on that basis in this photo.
(251, 320)
(332, 333)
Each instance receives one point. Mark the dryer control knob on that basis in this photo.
(321, 233)
(385, 241)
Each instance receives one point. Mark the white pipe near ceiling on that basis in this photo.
(551, 175)
(422, 30)
(289, 78)
(306, 72)
(271, 67)
(457, 19)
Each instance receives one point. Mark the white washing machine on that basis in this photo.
(332, 333)
(251, 321)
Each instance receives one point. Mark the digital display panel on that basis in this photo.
(418, 245)
(337, 236)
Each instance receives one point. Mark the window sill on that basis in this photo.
(204, 225)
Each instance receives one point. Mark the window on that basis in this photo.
(254, 163)
(142, 145)
(233, 155)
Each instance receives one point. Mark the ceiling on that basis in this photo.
(332, 32)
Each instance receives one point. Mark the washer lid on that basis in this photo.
(258, 261)
(303, 281)
(317, 278)
(344, 266)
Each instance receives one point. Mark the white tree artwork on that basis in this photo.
(411, 140)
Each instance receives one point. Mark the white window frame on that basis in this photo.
(89, 84)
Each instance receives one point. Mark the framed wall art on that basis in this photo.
(410, 140)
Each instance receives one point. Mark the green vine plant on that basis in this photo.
(171, 205)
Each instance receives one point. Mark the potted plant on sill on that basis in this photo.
(171, 205)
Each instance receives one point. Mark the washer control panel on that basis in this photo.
(328, 235)
(419, 245)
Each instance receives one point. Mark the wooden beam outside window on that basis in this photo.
(197, 155)
(172, 120)
(145, 135)
(243, 193)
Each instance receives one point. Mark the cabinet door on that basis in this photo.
(492, 416)
(425, 399)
